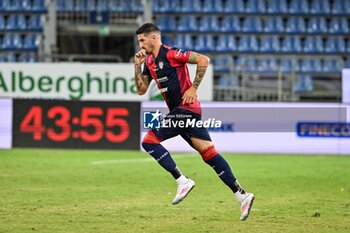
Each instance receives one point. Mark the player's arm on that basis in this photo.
(142, 81)
(202, 62)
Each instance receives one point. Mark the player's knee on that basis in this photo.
(208, 153)
(149, 140)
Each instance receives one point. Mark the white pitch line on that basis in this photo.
(141, 160)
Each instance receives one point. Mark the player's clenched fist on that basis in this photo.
(140, 57)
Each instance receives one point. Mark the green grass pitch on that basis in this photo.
(126, 191)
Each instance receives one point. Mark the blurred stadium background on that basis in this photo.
(72, 60)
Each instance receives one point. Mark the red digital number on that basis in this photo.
(113, 119)
(90, 117)
(32, 123)
(62, 122)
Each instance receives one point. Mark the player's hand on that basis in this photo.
(189, 96)
(140, 57)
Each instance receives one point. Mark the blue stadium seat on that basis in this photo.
(267, 65)
(35, 22)
(204, 43)
(286, 65)
(248, 44)
(295, 24)
(303, 84)
(299, 7)
(341, 7)
(16, 22)
(230, 24)
(332, 65)
(269, 44)
(291, 44)
(320, 7)
(169, 6)
(313, 44)
(121, 6)
(12, 41)
(65, 5)
(32, 41)
(60, 6)
(335, 45)
(347, 64)
(2, 23)
(28, 57)
(187, 23)
(255, 6)
(212, 6)
(317, 25)
(80, 5)
(10, 57)
(102, 5)
(252, 24)
(223, 63)
(166, 23)
(39, 5)
(234, 6)
(2, 56)
(311, 65)
(226, 43)
(209, 24)
(274, 24)
(25, 5)
(191, 6)
(135, 6)
(338, 25)
(228, 80)
(277, 6)
(348, 46)
(167, 40)
(184, 41)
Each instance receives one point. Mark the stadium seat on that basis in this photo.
(341, 7)
(347, 64)
(335, 45)
(252, 24)
(28, 57)
(267, 65)
(223, 80)
(274, 24)
(204, 43)
(2, 23)
(12, 41)
(223, 63)
(248, 44)
(166, 23)
(338, 25)
(135, 6)
(291, 44)
(245, 64)
(298, 7)
(348, 46)
(255, 6)
(25, 5)
(39, 5)
(187, 23)
(191, 6)
(16, 22)
(212, 6)
(10, 57)
(226, 43)
(311, 65)
(184, 41)
(313, 44)
(102, 5)
(169, 6)
(80, 5)
(209, 24)
(35, 22)
(277, 6)
(32, 41)
(286, 65)
(230, 24)
(317, 25)
(234, 6)
(250, 65)
(332, 65)
(269, 44)
(2, 56)
(166, 39)
(303, 84)
(320, 7)
(295, 24)
(65, 6)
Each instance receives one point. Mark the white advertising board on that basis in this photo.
(80, 81)
(271, 127)
(5, 123)
(346, 85)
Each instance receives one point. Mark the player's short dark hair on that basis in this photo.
(147, 28)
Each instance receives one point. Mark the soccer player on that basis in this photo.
(167, 67)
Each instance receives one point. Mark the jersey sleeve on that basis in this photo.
(178, 56)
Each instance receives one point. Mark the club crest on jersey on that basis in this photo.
(178, 53)
(161, 64)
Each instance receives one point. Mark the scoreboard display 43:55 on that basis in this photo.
(76, 124)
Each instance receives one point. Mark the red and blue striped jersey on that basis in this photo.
(169, 70)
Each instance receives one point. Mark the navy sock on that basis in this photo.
(163, 157)
(223, 170)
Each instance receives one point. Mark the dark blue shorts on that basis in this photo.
(173, 129)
